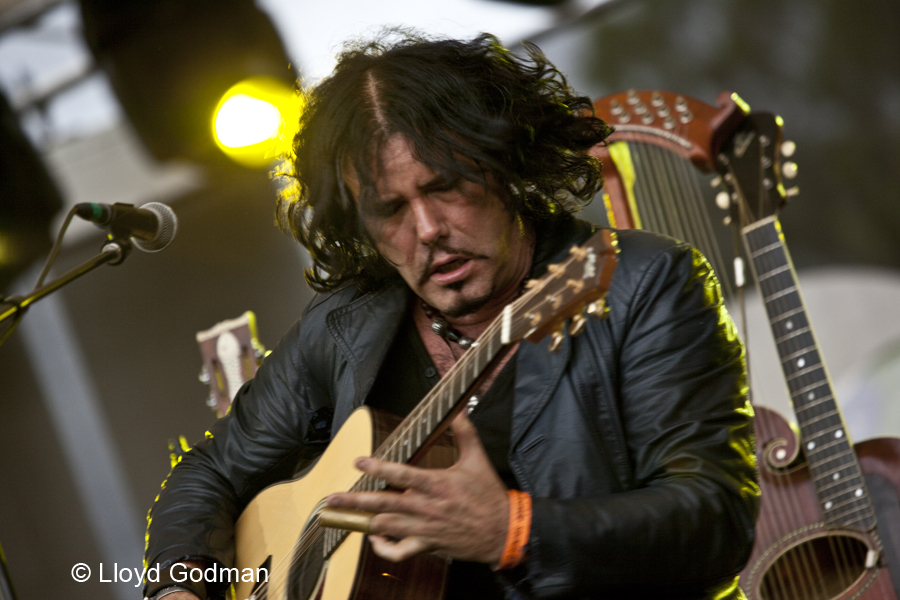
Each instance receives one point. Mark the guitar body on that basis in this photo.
(271, 525)
(796, 555)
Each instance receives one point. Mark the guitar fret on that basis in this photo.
(774, 272)
(820, 432)
(793, 334)
(794, 355)
(830, 472)
(765, 249)
(827, 459)
(815, 403)
(805, 371)
(808, 388)
(854, 499)
(448, 400)
(818, 449)
(847, 482)
(780, 294)
(866, 508)
(787, 314)
(823, 416)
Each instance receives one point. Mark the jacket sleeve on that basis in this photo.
(684, 521)
(258, 443)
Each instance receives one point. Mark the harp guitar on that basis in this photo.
(829, 524)
(282, 530)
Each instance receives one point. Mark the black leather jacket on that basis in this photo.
(634, 440)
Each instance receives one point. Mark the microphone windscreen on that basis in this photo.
(168, 227)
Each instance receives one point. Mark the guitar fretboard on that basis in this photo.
(843, 496)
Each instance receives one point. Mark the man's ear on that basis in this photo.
(347, 172)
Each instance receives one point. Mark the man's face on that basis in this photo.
(453, 242)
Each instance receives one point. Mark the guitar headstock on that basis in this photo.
(686, 126)
(231, 354)
(752, 170)
(570, 288)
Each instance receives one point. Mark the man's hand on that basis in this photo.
(461, 512)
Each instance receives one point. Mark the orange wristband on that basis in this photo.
(519, 529)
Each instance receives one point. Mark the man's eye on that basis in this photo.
(386, 209)
(445, 186)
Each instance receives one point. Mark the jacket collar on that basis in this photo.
(364, 330)
(538, 371)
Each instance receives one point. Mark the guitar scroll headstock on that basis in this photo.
(568, 289)
(686, 126)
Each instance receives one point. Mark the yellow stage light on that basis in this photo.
(255, 121)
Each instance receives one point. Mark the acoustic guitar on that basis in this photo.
(284, 530)
(830, 519)
(830, 516)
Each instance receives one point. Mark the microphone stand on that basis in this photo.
(6, 589)
(114, 252)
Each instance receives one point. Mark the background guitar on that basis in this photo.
(830, 520)
(231, 353)
(653, 182)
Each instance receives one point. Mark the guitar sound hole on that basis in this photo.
(817, 569)
(305, 570)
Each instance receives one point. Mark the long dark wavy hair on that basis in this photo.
(470, 109)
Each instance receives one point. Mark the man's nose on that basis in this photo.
(429, 221)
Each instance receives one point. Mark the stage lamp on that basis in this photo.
(171, 61)
(256, 120)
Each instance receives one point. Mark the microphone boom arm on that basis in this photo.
(113, 252)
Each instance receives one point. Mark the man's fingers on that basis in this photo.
(396, 475)
(466, 434)
(397, 550)
(376, 502)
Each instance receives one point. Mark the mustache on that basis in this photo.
(439, 246)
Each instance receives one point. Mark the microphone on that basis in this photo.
(151, 227)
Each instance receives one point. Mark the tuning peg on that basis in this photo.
(598, 309)
(204, 375)
(788, 148)
(715, 181)
(789, 169)
(723, 200)
(530, 283)
(791, 192)
(577, 326)
(557, 338)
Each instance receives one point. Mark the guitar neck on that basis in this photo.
(421, 427)
(841, 489)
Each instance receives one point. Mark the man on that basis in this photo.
(432, 179)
